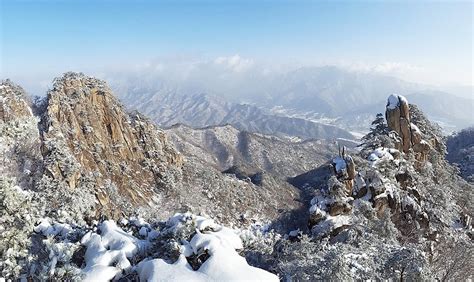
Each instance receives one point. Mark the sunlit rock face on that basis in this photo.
(397, 113)
(87, 133)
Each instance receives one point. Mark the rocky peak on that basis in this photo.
(87, 134)
(13, 102)
(397, 113)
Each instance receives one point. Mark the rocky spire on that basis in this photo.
(397, 113)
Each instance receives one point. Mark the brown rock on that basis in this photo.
(415, 134)
(349, 186)
(405, 134)
(88, 131)
(397, 114)
(315, 218)
(338, 208)
(393, 119)
(404, 108)
(350, 166)
(380, 204)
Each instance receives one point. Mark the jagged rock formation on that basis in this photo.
(87, 134)
(419, 208)
(369, 178)
(398, 119)
(397, 114)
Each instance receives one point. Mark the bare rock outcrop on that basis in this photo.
(345, 170)
(397, 114)
(385, 177)
(398, 119)
(87, 134)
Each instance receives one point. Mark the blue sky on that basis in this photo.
(40, 38)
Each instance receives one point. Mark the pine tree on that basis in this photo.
(378, 135)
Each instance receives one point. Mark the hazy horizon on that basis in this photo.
(422, 42)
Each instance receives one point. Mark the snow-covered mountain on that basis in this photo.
(202, 110)
(225, 147)
(325, 95)
(89, 191)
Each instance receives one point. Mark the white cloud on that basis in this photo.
(234, 63)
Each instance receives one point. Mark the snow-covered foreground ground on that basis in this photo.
(205, 251)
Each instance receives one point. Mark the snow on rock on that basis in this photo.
(394, 100)
(143, 231)
(339, 163)
(108, 253)
(204, 223)
(159, 270)
(112, 252)
(331, 223)
(52, 229)
(320, 202)
(380, 154)
(223, 264)
(415, 128)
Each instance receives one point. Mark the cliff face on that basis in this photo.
(88, 135)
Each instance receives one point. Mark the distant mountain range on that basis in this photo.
(202, 110)
(323, 95)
